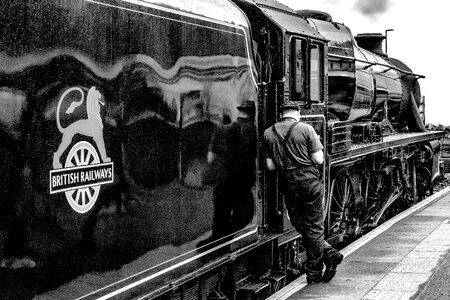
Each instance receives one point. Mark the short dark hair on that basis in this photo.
(289, 105)
(247, 106)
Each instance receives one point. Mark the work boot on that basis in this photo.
(331, 264)
(311, 279)
(314, 271)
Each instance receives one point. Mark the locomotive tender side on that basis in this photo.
(108, 109)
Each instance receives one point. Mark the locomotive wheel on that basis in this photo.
(378, 187)
(374, 186)
(82, 154)
(341, 208)
(423, 182)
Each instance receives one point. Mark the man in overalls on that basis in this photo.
(294, 149)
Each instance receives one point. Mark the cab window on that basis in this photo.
(315, 74)
(298, 70)
(307, 71)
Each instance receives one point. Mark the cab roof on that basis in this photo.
(285, 18)
(219, 10)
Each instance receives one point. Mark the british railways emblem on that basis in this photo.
(85, 170)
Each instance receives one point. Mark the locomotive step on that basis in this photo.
(253, 290)
(277, 281)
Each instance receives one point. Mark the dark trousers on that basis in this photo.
(233, 208)
(303, 191)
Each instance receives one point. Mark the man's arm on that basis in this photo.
(317, 157)
(211, 156)
(269, 164)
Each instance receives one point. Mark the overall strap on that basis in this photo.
(283, 140)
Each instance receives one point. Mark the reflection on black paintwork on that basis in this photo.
(232, 156)
(159, 101)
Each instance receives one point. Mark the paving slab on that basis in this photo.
(401, 282)
(384, 295)
(389, 242)
(380, 255)
(368, 271)
(435, 212)
(339, 289)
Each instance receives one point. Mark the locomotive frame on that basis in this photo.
(167, 75)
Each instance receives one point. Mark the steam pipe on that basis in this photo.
(375, 63)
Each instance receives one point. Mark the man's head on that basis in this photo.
(247, 108)
(290, 109)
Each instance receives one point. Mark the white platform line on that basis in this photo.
(300, 283)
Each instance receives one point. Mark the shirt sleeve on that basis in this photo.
(267, 149)
(314, 141)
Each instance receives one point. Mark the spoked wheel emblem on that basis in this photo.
(82, 154)
(86, 168)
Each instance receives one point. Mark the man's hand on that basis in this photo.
(269, 164)
(317, 157)
(210, 157)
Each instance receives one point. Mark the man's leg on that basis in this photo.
(332, 258)
(307, 217)
(313, 233)
(243, 208)
(222, 213)
(221, 217)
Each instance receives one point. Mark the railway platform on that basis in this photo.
(407, 257)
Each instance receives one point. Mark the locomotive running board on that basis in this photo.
(395, 140)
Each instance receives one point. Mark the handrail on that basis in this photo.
(389, 67)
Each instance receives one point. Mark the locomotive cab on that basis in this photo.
(292, 57)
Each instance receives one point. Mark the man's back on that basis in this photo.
(235, 146)
(302, 142)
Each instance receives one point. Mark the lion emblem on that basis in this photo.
(92, 126)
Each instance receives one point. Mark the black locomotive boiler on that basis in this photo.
(109, 108)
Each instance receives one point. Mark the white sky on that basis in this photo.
(419, 40)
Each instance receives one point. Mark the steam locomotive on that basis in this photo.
(107, 113)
